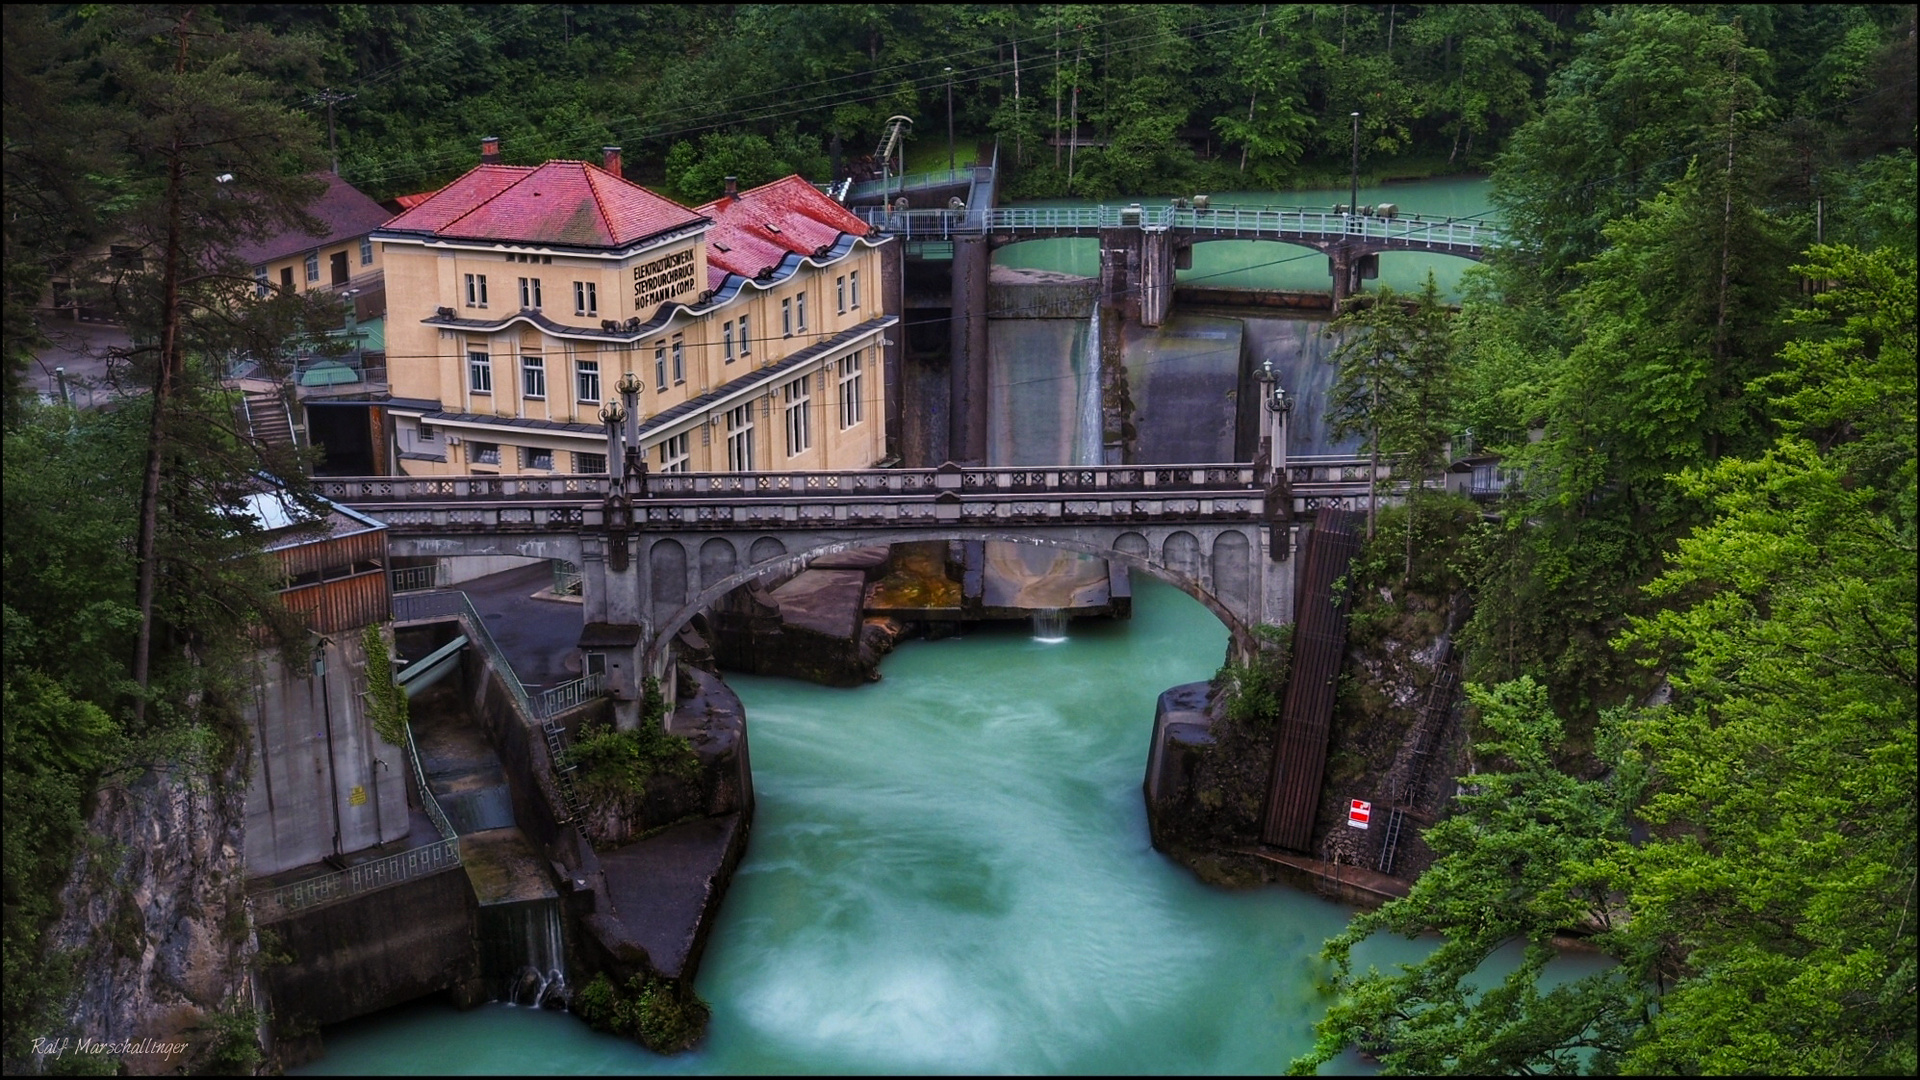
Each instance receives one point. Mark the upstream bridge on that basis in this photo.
(657, 549)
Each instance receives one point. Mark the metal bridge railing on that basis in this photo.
(356, 880)
(1236, 220)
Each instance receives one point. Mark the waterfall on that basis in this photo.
(525, 951)
(1050, 625)
(1089, 435)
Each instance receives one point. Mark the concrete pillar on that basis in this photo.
(1119, 270)
(893, 301)
(972, 264)
(1342, 276)
(1156, 277)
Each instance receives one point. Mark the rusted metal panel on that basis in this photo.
(346, 603)
(1319, 643)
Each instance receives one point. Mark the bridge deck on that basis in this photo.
(1227, 222)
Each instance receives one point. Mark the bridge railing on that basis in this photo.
(354, 881)
(1238, 220)
(359, 489)
(452, 603)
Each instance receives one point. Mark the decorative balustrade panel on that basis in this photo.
(356, 880)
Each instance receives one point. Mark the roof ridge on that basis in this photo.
(593, 188)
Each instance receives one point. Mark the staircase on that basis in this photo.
(267, 419)
(1408, 782)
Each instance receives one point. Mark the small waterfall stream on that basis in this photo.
(1090, 426)
(1050, 625)
(524, 952)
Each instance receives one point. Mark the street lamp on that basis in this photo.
(949, 122)
(1354, 195)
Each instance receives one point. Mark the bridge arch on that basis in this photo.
(1129, 548)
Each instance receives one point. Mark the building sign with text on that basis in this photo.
(668, 277)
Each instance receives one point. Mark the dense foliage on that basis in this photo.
(1702, 594)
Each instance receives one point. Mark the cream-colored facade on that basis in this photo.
(502, 353)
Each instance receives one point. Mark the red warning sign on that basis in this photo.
(1359, 811)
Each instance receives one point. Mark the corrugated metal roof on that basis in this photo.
(570, 203)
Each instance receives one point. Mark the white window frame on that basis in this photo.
(676, 453)
(660, 365)
(586, 380)
(740, 438)
(533, 376)
(485, 453)
(313, 267)
(582, 459)
(797, 399)
(586, 298)
(476, 290)
(479, 372)
(726, 339)
(746, 339)
(786, 316)
(851, 370)
(800, 312)
(530, 293)
(840, 293)
(853, 289)
(366, 251)
(679, 359)
(530, 458)
(260, 286)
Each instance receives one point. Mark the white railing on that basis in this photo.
(1238, 221)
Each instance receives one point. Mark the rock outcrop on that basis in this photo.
(155, 916)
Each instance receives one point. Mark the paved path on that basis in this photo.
(541, 637)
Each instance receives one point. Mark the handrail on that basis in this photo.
(1237, 220)
(355, 880)
(445, 603)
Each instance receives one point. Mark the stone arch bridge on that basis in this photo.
(658, 549)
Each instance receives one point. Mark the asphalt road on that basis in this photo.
(541, 637)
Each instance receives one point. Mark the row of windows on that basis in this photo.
(338, 268)
(530, 457)
(586, 294)
(586, 373)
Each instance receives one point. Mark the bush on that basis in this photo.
(617, 764)
(1256, 690)
(663, 1015)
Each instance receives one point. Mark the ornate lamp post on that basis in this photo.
(632, 465)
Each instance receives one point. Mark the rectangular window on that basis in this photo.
(740, 438)
(660, 365)
(786, 317)
(853, 289)
(529, 292)
(800, 313)
(533, 376)
(799, 416)
(366, 251)
(479, 372)
(533, 457)
(852, 409)
(586, 380)
(476, 290)
(589, 463)
(673, 454)
(260, 287)
(486, 453)
(840, 293)
(679, 359)
(726, 340)
(286, 279)
(746, 339)
(427, 432)
(125, 257)
(313, 267)
(586, 298)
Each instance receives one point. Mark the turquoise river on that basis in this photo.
(950, 872)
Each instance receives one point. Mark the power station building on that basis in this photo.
(520, 297)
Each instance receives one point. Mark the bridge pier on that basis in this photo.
(967, 407)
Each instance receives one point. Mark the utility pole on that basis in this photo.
(949, 123)
(1353, 209)
(331, 98)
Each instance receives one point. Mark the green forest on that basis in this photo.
(1692, 653)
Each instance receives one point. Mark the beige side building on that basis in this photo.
(519, 296)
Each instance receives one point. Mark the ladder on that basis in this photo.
(1391, 842)
(563, 769)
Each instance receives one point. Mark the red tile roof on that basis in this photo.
(342, 208)
(408, 202)
(757, 228)
(561, 202)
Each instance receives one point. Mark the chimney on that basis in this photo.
(490, 150)
(610, 160)
(733, 187)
